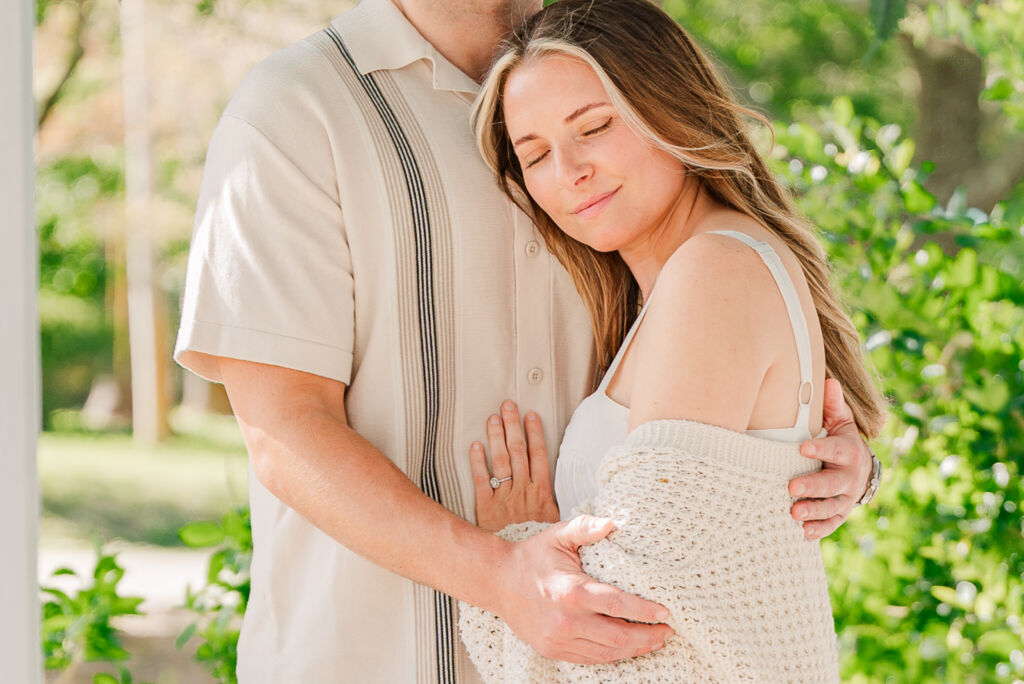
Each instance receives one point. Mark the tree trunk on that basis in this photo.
(949, 120)
(117, 308)
(146, 317)
(950, 123)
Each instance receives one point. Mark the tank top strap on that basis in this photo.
(610, 373)
(797, 320)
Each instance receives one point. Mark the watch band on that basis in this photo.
(874, 482)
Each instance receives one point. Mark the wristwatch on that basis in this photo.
(875, 481)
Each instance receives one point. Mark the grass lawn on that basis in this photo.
(105, 486)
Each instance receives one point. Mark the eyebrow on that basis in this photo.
(569, 119)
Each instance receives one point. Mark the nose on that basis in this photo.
(572, 166)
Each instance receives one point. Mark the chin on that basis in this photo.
(604, 247)
(601, 245)
(595, 239)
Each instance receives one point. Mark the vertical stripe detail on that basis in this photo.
(431, 415)
(443, 297)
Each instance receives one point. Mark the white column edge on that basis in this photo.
(20, 650)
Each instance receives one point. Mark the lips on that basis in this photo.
(594, 203)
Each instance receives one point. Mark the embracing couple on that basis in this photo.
(402, 237)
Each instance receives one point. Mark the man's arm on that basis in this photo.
(829, 495)
(304, 452)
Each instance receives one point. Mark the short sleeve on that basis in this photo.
(269, 271)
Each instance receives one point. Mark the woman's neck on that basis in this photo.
(648, 255)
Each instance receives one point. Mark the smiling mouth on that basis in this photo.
(594, 204)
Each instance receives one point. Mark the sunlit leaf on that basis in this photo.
(201, 534)
(842, 109)
(1000, 90)
(1001, 642)
(918, 200)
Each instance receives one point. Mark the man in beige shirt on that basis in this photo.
(368, 296)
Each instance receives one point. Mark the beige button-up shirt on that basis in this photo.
(347, 227)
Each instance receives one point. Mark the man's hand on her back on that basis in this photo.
(567, 615)
(828, 496)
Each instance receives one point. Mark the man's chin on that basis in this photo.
(508, 13)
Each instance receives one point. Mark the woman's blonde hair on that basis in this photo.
(666, 90)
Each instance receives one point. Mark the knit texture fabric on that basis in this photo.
(702, 527)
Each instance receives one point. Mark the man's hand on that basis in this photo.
(828, 496)
(567, 615)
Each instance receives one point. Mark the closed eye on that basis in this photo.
(536, 160)
(593, 131)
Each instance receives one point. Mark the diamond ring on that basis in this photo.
(495, 482)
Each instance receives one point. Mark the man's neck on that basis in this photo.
(466, 32)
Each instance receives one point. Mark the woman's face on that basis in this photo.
(598, 181)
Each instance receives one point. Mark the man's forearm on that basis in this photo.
(341, 483)
(305, 453)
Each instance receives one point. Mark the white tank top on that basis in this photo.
(599, 423)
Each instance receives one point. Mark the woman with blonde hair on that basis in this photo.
(716, 328)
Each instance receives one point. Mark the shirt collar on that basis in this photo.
(379, 37)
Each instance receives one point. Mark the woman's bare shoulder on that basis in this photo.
(708, 337)
(710, 267)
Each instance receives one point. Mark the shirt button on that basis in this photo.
(532, 248)
(535, 376)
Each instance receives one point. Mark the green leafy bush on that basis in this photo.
(927, 582)
(77, 628)
(220, 603)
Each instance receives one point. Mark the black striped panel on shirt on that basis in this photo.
(428, 478)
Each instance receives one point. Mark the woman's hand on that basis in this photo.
(520, 469)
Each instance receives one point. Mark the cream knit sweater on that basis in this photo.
(702, 527)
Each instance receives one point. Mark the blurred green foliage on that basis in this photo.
(787, 56)
(926, 582)
(886, 15)
(792, 57)
(77, 627)
(76, 333)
